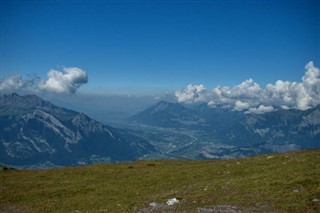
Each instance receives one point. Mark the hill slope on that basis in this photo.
(286, 182)
(35, 132)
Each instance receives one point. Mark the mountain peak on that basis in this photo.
(162, 102)
(163, 106)
(167, 114)
(14, 95)
(160, 106)
(26, 101)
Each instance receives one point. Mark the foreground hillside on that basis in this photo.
(269, 183)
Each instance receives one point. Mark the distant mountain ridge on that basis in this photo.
(277, 131)
(36, 132)
(166, 114)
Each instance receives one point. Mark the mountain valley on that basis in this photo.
(204, 132)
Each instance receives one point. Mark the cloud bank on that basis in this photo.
(251, 98)
(67, 81)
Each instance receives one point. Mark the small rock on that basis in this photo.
(316, 200)
(270, 157)
(296, 191)
(172, 201)
(153, 204)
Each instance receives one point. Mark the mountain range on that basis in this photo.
(35, 132)
(222, 132)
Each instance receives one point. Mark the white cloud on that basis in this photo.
(193, 93)
(299, 95)
(67, 81)
(311, 83)
(64, 82)
(14, 82)
(249, 95)
(261, 109)
(240, 106)
(248, 91)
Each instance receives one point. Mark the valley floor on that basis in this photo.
(287, 182)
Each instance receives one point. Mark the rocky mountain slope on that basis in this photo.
(36, 132)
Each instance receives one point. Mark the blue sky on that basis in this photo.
(142, 47)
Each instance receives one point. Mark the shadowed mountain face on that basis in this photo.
(278, 131)
(34, 132)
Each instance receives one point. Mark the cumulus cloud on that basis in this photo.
(64, 82)
(260, 110)
(248, 96)
(193, 93)
(247, 91)
(14, 82)
(67, 81)
(299, 95)
(240, 106)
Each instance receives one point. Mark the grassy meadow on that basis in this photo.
(288, 182)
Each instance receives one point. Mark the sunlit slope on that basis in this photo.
(278, 183)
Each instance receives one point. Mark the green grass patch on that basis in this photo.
(287, 182)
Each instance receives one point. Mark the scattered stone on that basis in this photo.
(153, 204)
(172, 201)
(220, 208)
(154, 207)
(270, 157)
(316, 200)
(296, 191)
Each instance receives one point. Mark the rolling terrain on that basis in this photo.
(287, 182)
